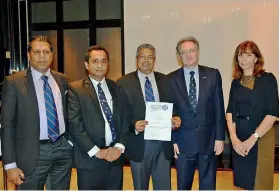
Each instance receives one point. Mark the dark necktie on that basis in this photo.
(149, 94)
(107, 111)
(52, 119)
(192, 91)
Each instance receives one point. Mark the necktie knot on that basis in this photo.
(192, 73)
(45, 78)
(99, 85)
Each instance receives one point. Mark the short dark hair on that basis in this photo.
(97, 48)
(41, 39)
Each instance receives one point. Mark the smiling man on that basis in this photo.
(98, 124)
(198, 90)
(33, 129)
(147, 157)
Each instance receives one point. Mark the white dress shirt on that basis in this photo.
(108, 133)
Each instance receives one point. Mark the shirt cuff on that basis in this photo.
(10, 166)
(93, 151)
(121, 146)
(70, 143)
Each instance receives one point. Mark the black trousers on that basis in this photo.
(104, 176)
(55, 161)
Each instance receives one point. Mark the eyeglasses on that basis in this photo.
(142, 57)
(38, 52)
(245, 55)
(102, 62)
(191, 51)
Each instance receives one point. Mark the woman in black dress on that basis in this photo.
(252, 111)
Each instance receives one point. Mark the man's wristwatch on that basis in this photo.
(256, 135)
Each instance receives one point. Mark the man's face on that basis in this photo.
(40, 56)
(145, 60)
(188, 54)
(97, 65)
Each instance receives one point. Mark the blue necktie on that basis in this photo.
(107, 111)
(52, 119)
(149, 94)
(192, 91)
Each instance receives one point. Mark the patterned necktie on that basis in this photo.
(192, 91)
(52, 119)
(107, 111)
(149, 94)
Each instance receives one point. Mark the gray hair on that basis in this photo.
(187, 39)
(149, 46)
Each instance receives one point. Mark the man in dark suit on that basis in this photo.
(34, 129)
(198, 89)
(147, 157)
(98, 124)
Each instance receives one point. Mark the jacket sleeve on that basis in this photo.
(75, 121)
(8, 121)
(230, 107)
(219, 108)
(272, 98)
(126, 119)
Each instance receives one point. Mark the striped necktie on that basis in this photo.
(52, 119)
(149, 94)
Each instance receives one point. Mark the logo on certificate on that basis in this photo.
(159, 107)
(165, 107)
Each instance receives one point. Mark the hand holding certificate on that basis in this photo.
(158, 115)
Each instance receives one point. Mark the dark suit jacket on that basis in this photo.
(136, 145)
(86, 122)
(199, 129)
(265, 100)
(21, 120)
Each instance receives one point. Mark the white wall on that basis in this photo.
(219, 26)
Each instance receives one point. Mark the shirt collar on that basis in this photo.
(188, 70)
(37, 75)
(142, 76)
(95, 82)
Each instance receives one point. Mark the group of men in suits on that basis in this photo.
(105, 120)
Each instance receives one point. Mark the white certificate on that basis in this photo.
(158, 115)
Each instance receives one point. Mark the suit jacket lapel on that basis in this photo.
(137, 89)
(114, 99)
(202, 85)
(182, 88)
(159, 86)
(32, 96)
(91, 91)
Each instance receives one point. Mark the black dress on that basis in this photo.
(244, 168)
(249, 106)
